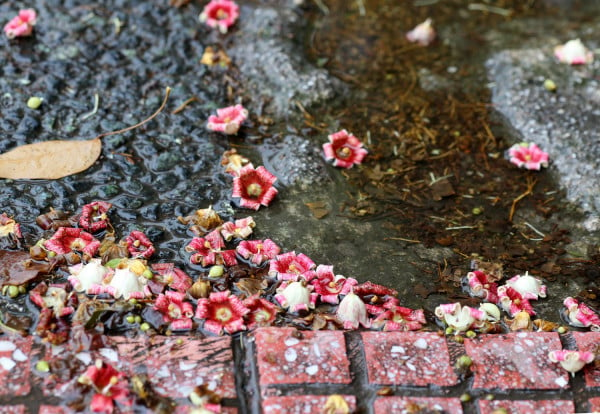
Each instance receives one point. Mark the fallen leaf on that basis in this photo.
(56, 159)
(49, 159)
(318, 209)
(17, 269)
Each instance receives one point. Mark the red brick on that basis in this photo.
(14, 365)
(408, 358)
(589, 341)
(177, 364)
(53, 409)
(186, 409)
(289, 356)
(301, 404)
(12, 409)
(516, 361)
(594, 405)
(416, 405)
(527, 407)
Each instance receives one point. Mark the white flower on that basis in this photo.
(528, 286)
(82, 278)
(125, 283)
(352, 312)
(295, 296)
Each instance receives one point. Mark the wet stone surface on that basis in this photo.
(301, 404)
(516, 361)
(14, 365)
(409, 404)
(527, 407)
(408, 358)
(589, 342)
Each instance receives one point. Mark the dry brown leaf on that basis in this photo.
(17, 269)
(56, 159)
(318, 208)
(49, 159)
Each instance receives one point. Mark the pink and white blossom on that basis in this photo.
(572, 361)
(262, 312)
(528, 155)
(481, 286)
(530, 287)
(94, 216)
(124, 283)
(109, 385)
(460, 318)
(21, 25)
(254, 187)
(296, 296)
(292, 266)
(573, 53)
(580, 315)
(258, 251)
(228, 120)
(53, 296)
(207, 251)
(344, 149)
(175, 310)
(512, 301)
(352, 312)
(69, 239)
(220, 14)
(222, 311)
(330, 286)
(423, 34)
(83, 277)
(240, 229)
(399, 318)
(139, 245)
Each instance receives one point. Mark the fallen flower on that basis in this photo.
(258, 251)
(460, 318)
(93, 216)
(53, 296)
(520, 322)
(233, 162)
(222, 312)
(512, 301)
(481, 286)
(10, 232)
(83, 277)
(580, 315)
(139, 245)
(221, 14)
(352, 312)
(109, 384)
(292, 266)
(240, 229)
(204, 220)
(530, 287)
(329, 286)
(422, 34)
(344, 149)
(21, 25)
(375, 296)
(125, 283)
(68, 239)
(206, 251)
(262, 312)
(212, 57)
(254, 187)
(572, 361)
(296, 296)
(399, 318)
(528, 156)
(175, 310)
(573, 53)
(172, 276)
(228, 120)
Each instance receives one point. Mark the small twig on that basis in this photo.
(534, 229)
(184, 104)
(322, 6)
(361, 7)
(490, 9)
(530, 184)
(461, 227)
(120, 131)
(420, 3)
(402, 239)
(89, 114)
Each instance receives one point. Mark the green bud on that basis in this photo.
(449, 331)
(13, 291)
(42, 366)
(144, 327)
(463, 362)
(550, 85)
(465, 397)
(137, 319)
(179, 341)
(148, 274)
(470, 334)
(216, 271)
(133, 301)
(34, 102)
(561, 330)
(130, 319)
(22, 289)
(477, 211)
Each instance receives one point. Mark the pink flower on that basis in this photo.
(139, 245)
(222, 311)
(581, 315)
(9, 227)
(572, 361)
(329, 286)
(54, 296)
(221, 14)
(240, 229)
(93, 216)
(68, 239)
(290, 266)
(258, 251)
(530, 287)
(399, 318)
(574, 53)
(109, 384)
(352, 312)
(228, 120)
(254, 187)
(21, 25)
(512, 301)
(175, 310)
(262, 312)
(344, 149)
(296, 296)
(422, 34)
(460, 318)
(375, 296)
(172, 276)
(528, 156)
(480, 286)
(207, 250)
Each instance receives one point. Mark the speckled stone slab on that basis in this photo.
(301, 404)
(527, 407)
(12, 409)
(14, 365)
(407, 405)
(589, 341)
(408, 358)
(594, 405)
(516, 361)
(289, 356)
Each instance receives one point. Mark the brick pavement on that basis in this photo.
(284, 370)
